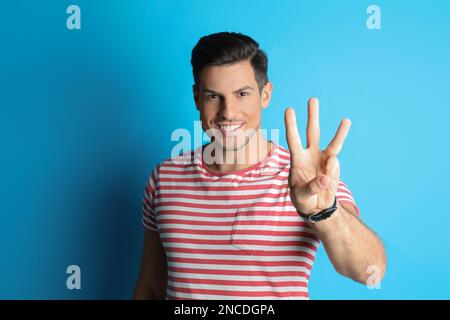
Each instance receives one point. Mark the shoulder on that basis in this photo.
(283, 154)
(178, 163)
(280, 158)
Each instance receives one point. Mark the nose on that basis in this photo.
(229, 109)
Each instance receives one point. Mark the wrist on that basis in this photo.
(321, 215)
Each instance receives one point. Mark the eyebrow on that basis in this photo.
(247, 87)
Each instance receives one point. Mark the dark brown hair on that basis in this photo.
(228, 48)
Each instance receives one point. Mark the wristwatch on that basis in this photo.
(321, 215)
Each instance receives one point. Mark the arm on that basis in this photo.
(313, 183)
(351, 246)
(152, 280)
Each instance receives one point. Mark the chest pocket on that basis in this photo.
(254, 230)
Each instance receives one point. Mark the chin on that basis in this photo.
(232, 144)
(235, 146)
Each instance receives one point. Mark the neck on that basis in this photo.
(236, 160)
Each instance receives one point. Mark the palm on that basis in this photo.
(309, 165)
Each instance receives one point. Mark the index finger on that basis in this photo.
(292, 136)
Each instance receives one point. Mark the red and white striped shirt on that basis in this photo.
(233, 235)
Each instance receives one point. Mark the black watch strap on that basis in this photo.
(319, 216)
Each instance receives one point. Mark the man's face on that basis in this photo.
(230, 103)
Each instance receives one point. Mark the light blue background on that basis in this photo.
(85, 115)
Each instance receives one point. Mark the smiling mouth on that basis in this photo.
(229, 128)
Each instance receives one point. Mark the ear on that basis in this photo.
(266, 95)
(196, 96)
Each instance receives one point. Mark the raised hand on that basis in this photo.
(314, 173)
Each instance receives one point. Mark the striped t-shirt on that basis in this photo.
(233, 235)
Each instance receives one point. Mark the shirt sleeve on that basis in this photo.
(344, 194)
(148, 202)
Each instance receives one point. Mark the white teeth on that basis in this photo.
(230, 128)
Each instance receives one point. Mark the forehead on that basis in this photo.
(228, 77)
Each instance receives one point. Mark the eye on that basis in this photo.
(243, 93)
(211, 96)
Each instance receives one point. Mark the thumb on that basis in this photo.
(317, 184)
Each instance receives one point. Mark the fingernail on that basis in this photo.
(323, 181)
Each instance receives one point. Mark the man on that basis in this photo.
(221, 228)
